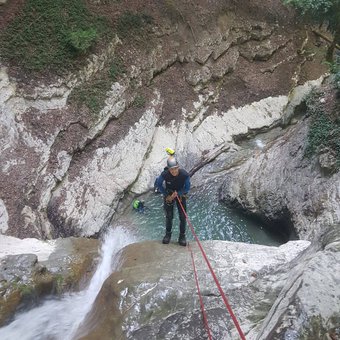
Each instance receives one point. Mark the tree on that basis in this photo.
(321, 12)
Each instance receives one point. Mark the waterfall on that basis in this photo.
(59, 318)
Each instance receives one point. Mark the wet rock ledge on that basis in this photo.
(26, 278)
(154, 294)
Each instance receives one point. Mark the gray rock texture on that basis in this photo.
(24, 281)
(65, 171)
(286, 292)
(308, 305)
(291, 192)
(286, 189)
(154, 294)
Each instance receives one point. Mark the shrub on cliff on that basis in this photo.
(336, 70)
(82, 40)
(51, 35)
(321, 12)
(324, 131)
(131, 24)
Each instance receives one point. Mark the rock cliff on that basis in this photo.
(65, 170)
(210, 74)
(285, 188)
(290, 191)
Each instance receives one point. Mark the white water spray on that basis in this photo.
(60, 319)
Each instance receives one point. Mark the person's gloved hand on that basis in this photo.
(168, 199)
(173, 195)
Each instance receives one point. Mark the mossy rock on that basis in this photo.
(24, 281)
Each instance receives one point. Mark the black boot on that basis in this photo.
(182, 240)
(167, 238)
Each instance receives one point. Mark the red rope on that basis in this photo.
(225, 300)
(205, 319)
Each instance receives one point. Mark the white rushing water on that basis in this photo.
(59, 318)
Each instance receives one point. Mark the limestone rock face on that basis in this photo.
(212, 71)
(196, 138)
(287, 190)
(284, 188)
(154, 294)
(84, 202)
(311, 294)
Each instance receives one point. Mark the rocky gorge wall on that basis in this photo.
(284, 188)
(65, 172)
(205, 79)
(297, 298)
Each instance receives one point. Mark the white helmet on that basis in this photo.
(172, 163)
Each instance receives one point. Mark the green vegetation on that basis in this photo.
(131, 24)
(55, 36)
(51, 35)
(335, 69)
(116, 69)
(324, 131)
(59, 283)
(139, 101)
(25, 290)
(82, 40)
(321, 12)
(93, 93)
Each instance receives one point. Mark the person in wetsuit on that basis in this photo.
(138, 206)
(171, 153)
(177, 186)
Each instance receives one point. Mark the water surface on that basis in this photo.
(211, 220)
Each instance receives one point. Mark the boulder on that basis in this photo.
(285, 189)
(308, 305)
(24, 280)
(154, 294)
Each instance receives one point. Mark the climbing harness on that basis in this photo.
(224, 298)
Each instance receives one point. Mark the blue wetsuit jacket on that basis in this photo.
(179, 183)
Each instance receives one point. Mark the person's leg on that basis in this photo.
(182, 224)
(169, 215)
